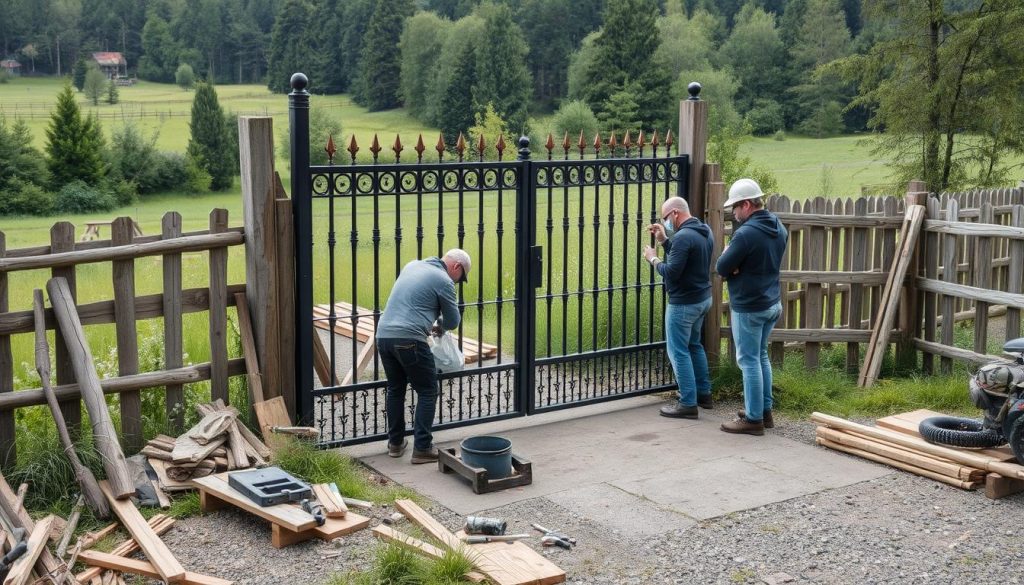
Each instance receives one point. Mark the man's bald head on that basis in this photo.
(677, 208)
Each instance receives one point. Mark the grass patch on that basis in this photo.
(185, 505)
(304, 460)
(396, 565)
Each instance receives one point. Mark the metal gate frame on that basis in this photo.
(531, 178)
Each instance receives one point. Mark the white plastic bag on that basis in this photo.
(447, 357)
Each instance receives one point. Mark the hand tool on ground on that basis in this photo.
(551, 540)
(484, 525)
(316, 510)
(393, 519)
(481, 538)
(564, 538)
(19, 549)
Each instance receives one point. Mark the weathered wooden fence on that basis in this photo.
(124, 310)
(841, 252)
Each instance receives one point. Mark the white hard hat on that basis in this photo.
(742, 190)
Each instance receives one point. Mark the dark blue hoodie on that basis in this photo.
(687, 265)
(755, 256)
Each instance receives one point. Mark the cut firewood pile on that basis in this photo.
(895, 441)
(218, 442)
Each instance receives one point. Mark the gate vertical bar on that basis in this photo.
(302, 220)
(526, 217)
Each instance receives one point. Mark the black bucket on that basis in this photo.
(492, 453)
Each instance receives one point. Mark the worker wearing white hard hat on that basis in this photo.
(750, 265)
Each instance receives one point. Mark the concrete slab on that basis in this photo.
(606, 504)
(685, 468)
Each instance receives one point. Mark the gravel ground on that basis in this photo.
(897, 529)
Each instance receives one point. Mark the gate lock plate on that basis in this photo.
(269, 486)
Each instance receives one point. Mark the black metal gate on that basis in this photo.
(560, 310)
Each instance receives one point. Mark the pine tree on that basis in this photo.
(329, 67)
(290, 45)
(78, 73)
(502, 77)
(455, 112)
(621, 112)
(625, 53)
(93, 87)
(160, 51)
(113, 95)
(381, 66)
(208, 143)
(74, 146)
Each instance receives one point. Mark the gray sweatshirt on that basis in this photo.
(422, 292)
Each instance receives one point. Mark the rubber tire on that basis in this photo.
(965, 433)
(1016, 439)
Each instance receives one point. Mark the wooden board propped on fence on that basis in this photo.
(880, 330)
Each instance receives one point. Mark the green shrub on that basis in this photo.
(197, 179)
(574, 117)
(4, 76)
(24, 198)
(170, 172)
(185, 77)
(123, 192)
(779, 135)
(765, 117)
(77, 197)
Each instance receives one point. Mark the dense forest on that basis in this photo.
(923, 73)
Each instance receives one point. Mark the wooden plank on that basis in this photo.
(211, 426)
(261, 449)
(172, 310)
(252, 364)
(855, 300)
(160, 524)
(83, 475)
(880, 331)
(968, 458)
(366, 355)
(290, 517)
(949, 276)
(187, 450)
(96, 244)
(272, 413)
(930, 258)
(863, 277)
(955, 353)
(166, 482)
(187, 374)
(62, 239)
(983, 279)
(193, 300)
(20, 518)
(995, 297)
(997, 486)
(322, 363)
(157, 248)
(1015, 275)
(715, 197)
(259, 215)
(284, 379)
(21, 570)
(908, 422)
(332, 528)
(334, 505)
(104, 435)
(8, 445)
(974, 229)
(802, 220)
(144, 568)
(910, 457)
(166, 566)
(813, 302)
(898, 464)
(219, 310)
(127, 335)
(909, 312)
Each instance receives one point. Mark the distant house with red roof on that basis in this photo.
(112, 64)
(11, 66)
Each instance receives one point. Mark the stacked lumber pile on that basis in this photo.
(218, 442)
(896, 442)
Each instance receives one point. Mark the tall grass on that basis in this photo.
(395, 564)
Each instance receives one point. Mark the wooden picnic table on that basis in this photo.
(92, 229)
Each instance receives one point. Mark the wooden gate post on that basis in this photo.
(716, 221)
(910, 305)
(693, 141)
(259, 209)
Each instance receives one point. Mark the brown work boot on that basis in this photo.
(769, 422)
(397, 450)
(428, 456)
(705, 401)
(743, 426)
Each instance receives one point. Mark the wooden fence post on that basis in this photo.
(259, 208)
(62, 239)
(716, 221)
(285, 295)
(693, 141)
(173, 340)
(121, 234)
(8, 455)
(219, 310)
(910, 307)
(1015, 280)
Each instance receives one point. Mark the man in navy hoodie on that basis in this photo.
(750, 265)
(686, 271)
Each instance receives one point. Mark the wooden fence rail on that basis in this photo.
(124, 310)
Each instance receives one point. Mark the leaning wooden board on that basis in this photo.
(168, 567)
(503, 563)
(289, 523)
(907, 422)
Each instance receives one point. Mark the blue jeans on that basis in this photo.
(683, 324)
(750, 333)
(409, 362)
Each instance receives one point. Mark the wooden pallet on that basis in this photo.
(449, 462)
(289, 523)
(472, 349)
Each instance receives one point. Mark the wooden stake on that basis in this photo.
(86, 480)
(69, 528)
(104, 434)
(252, 366)
(144, 568)
(22, 492)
